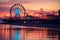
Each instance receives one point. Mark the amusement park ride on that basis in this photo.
(18, 9)
(27, 19)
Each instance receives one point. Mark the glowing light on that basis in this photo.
(17, 11)
(17, 36)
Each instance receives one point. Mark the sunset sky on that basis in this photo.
(30, 5)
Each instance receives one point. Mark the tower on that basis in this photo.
(59, 13)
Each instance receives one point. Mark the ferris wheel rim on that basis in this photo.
(19, 6)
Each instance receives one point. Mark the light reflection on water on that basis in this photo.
(17, 35)
(27, 33)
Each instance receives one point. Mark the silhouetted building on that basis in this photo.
(59, 13)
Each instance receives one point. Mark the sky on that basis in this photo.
(30, 4)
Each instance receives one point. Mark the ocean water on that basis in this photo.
(15, 32)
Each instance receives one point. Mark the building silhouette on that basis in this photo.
(59, 13)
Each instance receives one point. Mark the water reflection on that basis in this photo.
(27, 33)
(17, 35)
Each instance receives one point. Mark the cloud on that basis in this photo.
(31, 4)
(30, 1)
(27, 1)
(4, 9)
(3, 1)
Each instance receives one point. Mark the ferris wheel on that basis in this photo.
(17, 9)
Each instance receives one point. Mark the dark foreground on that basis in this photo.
(39, 23)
